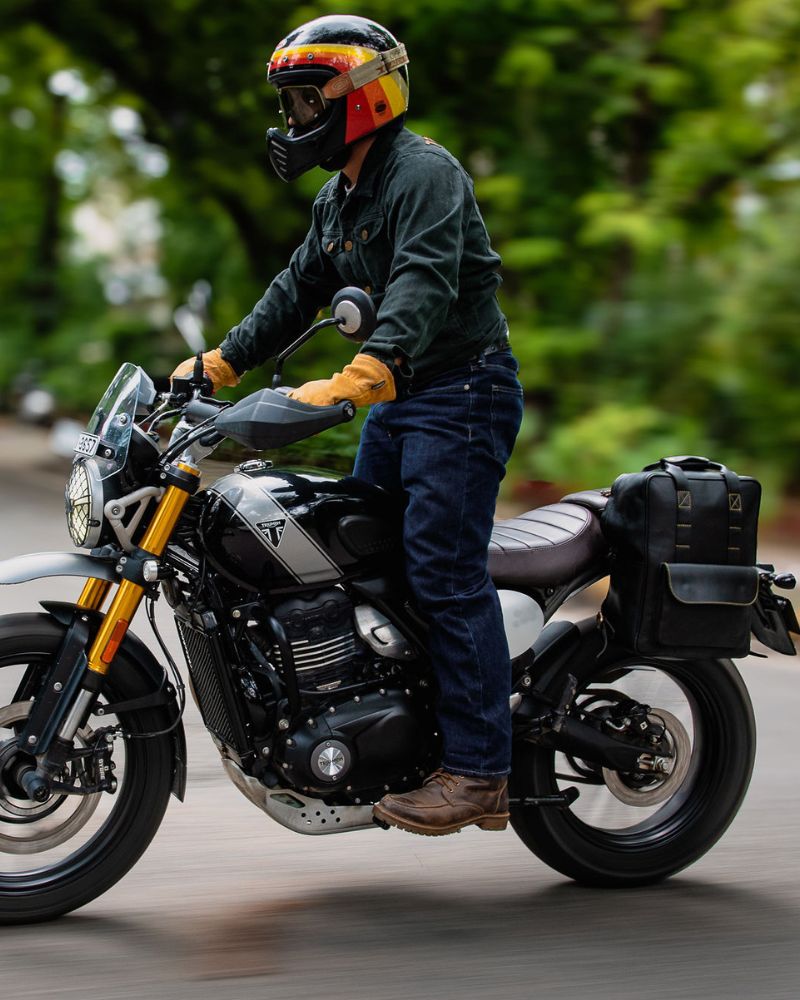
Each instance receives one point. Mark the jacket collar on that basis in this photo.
(373, 163)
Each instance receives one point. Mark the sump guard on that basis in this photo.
(37, 565)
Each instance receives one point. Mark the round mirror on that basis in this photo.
(354, 312)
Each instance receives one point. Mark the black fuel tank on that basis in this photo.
(268, 528)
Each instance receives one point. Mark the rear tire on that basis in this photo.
(134, 816)
(660, 840)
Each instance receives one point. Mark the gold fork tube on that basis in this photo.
(94, 594)
(129, 595)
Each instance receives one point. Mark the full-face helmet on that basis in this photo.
(339, 78)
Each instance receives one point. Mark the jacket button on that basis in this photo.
(330, 246)
(348, 245)
(364, 234)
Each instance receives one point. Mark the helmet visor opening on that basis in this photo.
(302, 106)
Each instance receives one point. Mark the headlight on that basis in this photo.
(84, 503)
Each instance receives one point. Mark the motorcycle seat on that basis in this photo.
(595, 500)
(545, 547)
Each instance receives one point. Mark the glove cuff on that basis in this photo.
(221, 372)
(373, 381)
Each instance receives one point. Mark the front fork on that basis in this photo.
(76, 679)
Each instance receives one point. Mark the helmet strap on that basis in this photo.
(338, 161)
(381, 65)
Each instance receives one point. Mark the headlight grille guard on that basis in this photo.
(83, 499)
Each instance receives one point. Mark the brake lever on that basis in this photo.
(203, 386)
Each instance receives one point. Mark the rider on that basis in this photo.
(399, 219)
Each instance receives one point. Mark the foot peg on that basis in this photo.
(561, 801)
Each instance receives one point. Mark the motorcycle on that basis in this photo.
(307, 659)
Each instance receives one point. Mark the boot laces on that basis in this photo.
(444, 778)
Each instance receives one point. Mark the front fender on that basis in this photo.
(36, 565)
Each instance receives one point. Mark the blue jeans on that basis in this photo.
(445, 445)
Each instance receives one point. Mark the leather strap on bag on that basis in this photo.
(735, 516)
(676, 467)
(684, 511)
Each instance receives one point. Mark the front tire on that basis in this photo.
(609, 839)
(39, 881)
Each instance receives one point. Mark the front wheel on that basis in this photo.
(627, 830)
(62, 853)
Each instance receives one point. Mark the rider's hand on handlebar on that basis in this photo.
(216, 368)
(364, 381)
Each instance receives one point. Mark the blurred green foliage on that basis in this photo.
(637, 163)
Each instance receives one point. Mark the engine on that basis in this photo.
(366, 724)
(364, 719)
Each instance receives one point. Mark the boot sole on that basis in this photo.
(497, 821)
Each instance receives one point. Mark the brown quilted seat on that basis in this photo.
(546, 546)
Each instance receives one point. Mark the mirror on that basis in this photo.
(354, 312)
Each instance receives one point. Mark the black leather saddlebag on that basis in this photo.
(683, 573)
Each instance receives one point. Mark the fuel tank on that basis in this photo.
(267, 529)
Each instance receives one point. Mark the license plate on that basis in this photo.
(87, 444)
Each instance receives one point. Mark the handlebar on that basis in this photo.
(203, 408)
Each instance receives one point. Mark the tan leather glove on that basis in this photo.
(214, 365)
(364, 381)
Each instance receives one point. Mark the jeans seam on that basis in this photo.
(470, 773)
(455, 562)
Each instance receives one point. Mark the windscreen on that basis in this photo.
(108, 433)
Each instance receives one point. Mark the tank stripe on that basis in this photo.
(291, 545)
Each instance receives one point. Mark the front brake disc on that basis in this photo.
(47, 837)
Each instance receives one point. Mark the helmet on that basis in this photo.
(339, 78)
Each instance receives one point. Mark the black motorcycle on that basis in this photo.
(308, 662)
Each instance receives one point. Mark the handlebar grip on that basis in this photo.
(198, 410)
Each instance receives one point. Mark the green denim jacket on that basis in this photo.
(411, 234)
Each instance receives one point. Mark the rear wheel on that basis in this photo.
(631, 829)
(62, 853)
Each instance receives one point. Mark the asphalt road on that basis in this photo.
(226, 903)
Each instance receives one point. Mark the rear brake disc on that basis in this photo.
(667, 784)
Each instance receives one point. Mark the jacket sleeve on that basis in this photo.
(425, 213)
(287, 307)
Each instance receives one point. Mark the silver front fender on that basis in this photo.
(37, 565)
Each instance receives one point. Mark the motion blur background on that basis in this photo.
(637, 163)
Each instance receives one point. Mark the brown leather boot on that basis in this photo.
(446, 803)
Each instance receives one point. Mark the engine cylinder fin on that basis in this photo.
(320, 629)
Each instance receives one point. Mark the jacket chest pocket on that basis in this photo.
(333, 248)
(332, 242)
(370, 250)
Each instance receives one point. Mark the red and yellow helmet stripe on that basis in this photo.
(368, 107)
(340, 57)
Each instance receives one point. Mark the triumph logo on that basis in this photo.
(273, 530)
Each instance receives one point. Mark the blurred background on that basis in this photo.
(637, 163)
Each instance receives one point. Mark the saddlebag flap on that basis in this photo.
(683, 574)
(736, 586)
(707, 607)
